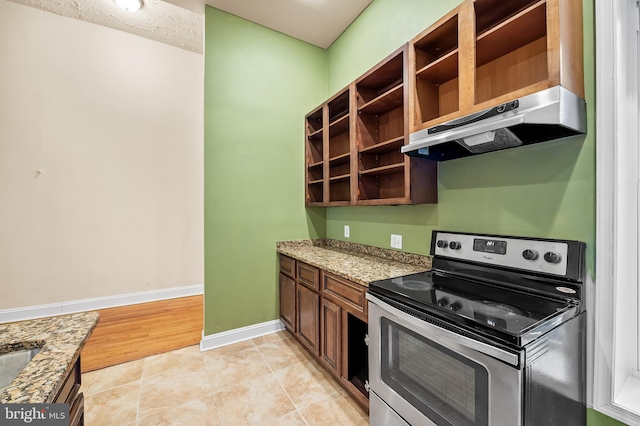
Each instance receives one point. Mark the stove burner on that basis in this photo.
(488, 307)
(414, 285)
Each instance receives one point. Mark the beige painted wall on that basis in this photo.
(114, 124)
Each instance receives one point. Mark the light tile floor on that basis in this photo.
(270, 380)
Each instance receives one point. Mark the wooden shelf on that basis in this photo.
(315, 173)
(389, 186)
(316, 135)
(442, 70)
(390, 145)
(338, 107)
(373, 129)
(339, 126)
(314, 121)
(436, 86)
(437, 43)
(369, 141)
(490, 13)
(318, 164)
(487, 52)
(340, 190)
(387, 75)
(513, 55)
(315, 193)
(340, 159)
(338, 178)
(392, 168)
(387, 101)
(524, 28)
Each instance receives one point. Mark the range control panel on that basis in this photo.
(544, 256)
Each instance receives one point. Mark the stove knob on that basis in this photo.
(552, 257)
(442, 244)
(455, 306)
(530, 254)
(454, 245)
(443, 302)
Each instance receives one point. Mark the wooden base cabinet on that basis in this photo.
(299, 286)
(308, 303)
(288, 302)
(330, 332)
(346, 300)
(327, 314)
(70, 394)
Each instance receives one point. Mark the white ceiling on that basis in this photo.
(180, 23)
(318, 22)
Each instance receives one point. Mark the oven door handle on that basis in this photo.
(449, 336)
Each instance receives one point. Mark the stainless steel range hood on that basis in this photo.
(546, 115)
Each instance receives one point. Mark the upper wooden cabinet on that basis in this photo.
(482, 54)
(385, 175)
(487, 52)
(353, 144)
(329, 151)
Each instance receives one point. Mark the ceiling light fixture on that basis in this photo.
(129, 5)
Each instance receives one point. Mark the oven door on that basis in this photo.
(432, 376)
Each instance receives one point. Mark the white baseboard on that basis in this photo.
(240, 334)
(40, 311)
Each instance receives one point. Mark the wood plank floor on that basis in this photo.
(137, 331)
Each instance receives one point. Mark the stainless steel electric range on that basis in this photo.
(493, 335)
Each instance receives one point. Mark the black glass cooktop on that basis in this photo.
(505, 313)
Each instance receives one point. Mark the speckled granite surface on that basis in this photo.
(356, 262)
(61, 339)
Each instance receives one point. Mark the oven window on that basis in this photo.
(446, 387)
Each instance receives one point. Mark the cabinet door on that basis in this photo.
(330, 335)
(308, 311)
(288, 302)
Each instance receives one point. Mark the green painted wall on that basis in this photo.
(544, 190)
(595, 418)
(258, 86)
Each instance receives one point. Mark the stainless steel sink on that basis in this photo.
(12, 364)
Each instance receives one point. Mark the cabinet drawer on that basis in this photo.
(344, 291)
(288, 266)
(309, 276)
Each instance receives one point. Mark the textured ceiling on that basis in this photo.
(180, 23)
(156, 20)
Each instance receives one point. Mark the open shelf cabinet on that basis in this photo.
(435, 71)
(487, 52)
(314, 153)
(384, 173)
(329, 152)
(354, 141)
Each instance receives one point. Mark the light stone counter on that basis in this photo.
(61, 339)
(356, 262)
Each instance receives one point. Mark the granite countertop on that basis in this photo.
(61, 339)
(356, 262)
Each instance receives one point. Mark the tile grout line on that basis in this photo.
(283, 388)
(140, 392)
(213, 392)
